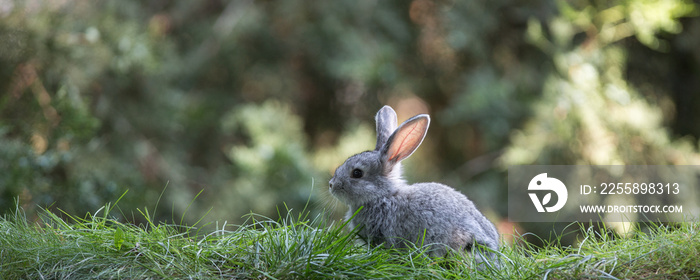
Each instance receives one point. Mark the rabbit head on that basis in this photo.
(370, 175)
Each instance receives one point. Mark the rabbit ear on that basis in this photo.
(386, 125)
(405, 140)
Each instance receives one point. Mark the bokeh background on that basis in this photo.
(216, 109)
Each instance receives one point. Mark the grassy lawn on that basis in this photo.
(101, 247)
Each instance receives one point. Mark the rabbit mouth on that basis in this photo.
(338, 192)
(339, 195)
(334, 190)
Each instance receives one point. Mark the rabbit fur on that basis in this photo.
(394, 212)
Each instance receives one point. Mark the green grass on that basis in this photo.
(101, 247)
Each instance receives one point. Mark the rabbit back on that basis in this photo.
(425, 213)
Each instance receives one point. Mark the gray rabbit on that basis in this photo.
(394, 212)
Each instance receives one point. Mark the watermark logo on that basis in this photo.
(609, 193)
(543, 183)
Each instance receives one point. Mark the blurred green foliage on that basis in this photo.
(256, 102)
(268, 160)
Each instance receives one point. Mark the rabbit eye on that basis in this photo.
(357, 173)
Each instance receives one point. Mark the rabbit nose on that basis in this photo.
(330, 183)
